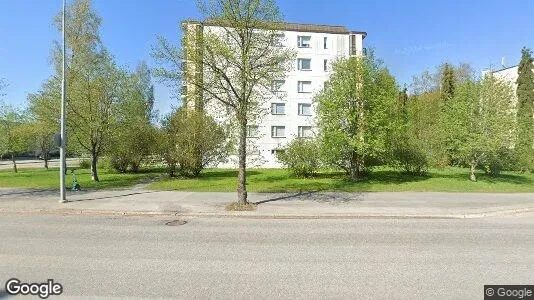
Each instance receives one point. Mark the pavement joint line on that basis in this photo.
(245, 215)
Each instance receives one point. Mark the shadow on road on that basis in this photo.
(112, 196)
(324, 197)
(29, 192)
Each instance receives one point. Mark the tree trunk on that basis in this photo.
(354, 167)
(94, 171)
(473, 168)
(14, 163)
(45, 157)
(242, 153)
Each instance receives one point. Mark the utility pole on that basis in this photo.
(63, 144)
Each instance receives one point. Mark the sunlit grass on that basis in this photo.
(42, 178)
(381, 179)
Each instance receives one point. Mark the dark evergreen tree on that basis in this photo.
(448, 82)
(525, 111)
(403, 104)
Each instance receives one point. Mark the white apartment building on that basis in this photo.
(509, 74)
(291, 114)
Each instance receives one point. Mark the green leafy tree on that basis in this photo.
(480, 118)
(354, 112)
(134, 135)
(94, 85)
(431, 92)
(43, 108)
(14, 138)
(230, 69)
(525, 111)
(406, 147)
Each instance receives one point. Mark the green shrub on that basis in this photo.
(105, 164)
(85, 164)
(301, 157)
(504, 159)
(120, 163)
(409, 159)
(190, 141)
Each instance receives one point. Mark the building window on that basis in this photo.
(305, 132)
(325, 43)
(304, 64)
(325, 65)
(278, 152)
(304, 86)
(276, 85)
(352, 45)
(278, 131)
(278, 108)
(304, 41)
(252, 131)
(304, 109)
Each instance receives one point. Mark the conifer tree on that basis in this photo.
(525, 111)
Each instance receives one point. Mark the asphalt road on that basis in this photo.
(229, 258)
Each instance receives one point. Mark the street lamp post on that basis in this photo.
(63, 144)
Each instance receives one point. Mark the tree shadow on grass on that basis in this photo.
(483, 177)
(220, 174)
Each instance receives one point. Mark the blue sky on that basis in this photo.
(409, 36)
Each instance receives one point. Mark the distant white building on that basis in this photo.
(509, 74)
(293, 116)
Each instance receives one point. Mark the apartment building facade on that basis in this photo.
(289, 110)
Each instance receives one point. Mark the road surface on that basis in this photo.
(94, 256)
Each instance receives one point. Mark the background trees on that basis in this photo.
(354, 112)
(109, 110)
(14, 138)
(480, 118)
(134, 136)
(525, 111)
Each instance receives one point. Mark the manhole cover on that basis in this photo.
(175, 222)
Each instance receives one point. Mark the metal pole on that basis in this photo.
(63, 163)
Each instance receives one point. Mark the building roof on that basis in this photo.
(286, 26)
(503, 69)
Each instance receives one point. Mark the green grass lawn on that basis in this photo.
(381, 179)
(41, 178)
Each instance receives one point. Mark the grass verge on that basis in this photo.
(381, 179)
(42, 178)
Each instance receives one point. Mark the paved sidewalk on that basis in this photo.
(139, 201)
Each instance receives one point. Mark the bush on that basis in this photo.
(301, 157)
(409, 159)
(120, 163)
(85, 164)
(494, 163)
(191, 140)
(105, 163)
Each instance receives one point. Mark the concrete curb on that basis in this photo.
(255, 215)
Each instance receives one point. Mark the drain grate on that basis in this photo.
(175, 222)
